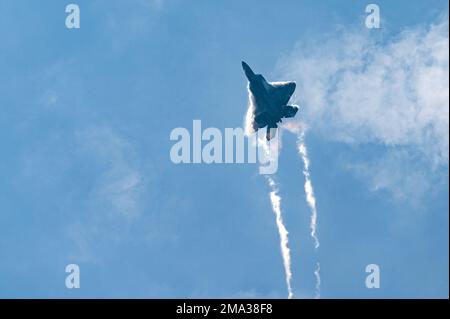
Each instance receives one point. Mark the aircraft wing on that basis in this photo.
(281, 92)
(259, 111)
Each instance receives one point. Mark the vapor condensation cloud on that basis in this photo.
(355, 89)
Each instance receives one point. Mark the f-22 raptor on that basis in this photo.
(268, 101)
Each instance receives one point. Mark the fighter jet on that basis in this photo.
(269, 101)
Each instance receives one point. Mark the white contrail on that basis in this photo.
(275, 199)
(310, 199)
(270, 150)
(318, 281)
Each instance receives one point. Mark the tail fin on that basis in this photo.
(289, 111)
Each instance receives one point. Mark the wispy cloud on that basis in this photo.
(118, 189)
(318, 280)
(393, 92)
(128, 23)
(399, 172)
(115, 196)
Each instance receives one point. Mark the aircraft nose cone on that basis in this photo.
(248, 71)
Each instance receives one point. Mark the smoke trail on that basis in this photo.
(275, 199)
(271, 149)
(318, 281)
(310, 199)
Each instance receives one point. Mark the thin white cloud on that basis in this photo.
(394, 92)
(400, 173)
(119, 186)
(128, 23)
(115, 196)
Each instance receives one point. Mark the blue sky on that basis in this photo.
(86, 177)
